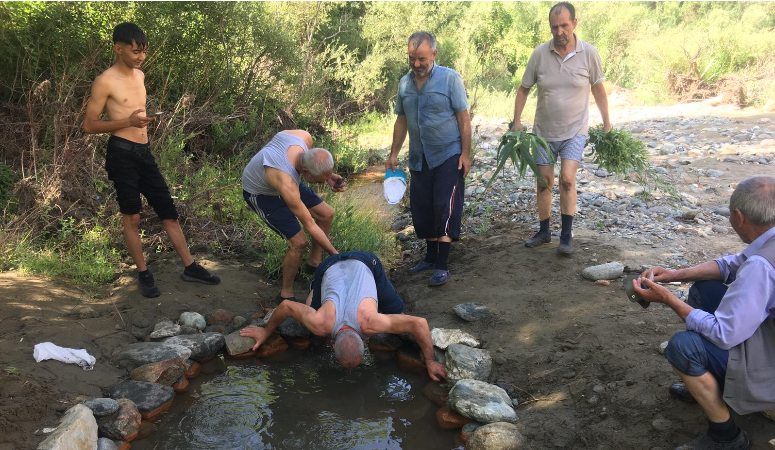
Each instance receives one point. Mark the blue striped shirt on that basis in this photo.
(430, 116)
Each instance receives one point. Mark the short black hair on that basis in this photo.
(565, 5)
(129, 33)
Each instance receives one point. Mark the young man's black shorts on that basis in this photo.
(133, 170)
(436, 197)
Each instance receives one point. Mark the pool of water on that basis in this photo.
(300, 400)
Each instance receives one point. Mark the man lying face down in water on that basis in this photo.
(351, 297)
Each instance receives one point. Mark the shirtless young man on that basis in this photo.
(120, 91)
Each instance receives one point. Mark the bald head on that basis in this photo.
(755, 198)
(348, 349)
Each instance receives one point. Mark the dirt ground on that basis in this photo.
(555, 335)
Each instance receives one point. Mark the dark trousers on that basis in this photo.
(690, 352)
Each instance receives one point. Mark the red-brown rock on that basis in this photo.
(132, 437)
(146, 428)
(163, 372)
(299, 343)
(274, 345)
(247, 354)
(153, 415)
(122, 424)
(181, 385)
(436, 393)
(219, 317)
(122, 445)
(450, 420)
(409, 361)
(193, 371)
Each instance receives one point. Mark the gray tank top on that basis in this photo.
(346, 284)
(274, 155)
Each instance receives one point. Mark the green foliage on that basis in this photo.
(521, 148)
(619, 152)
(75, 252)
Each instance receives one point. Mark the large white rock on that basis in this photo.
(608, 271)
(496, 436)
(443, 338)
(193, 319)
(464, 362)
(482, 402)
(78, 431)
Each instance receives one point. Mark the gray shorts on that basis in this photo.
(572, 148)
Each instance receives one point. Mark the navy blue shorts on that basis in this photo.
(689, 351)
(134, 172)
(436, 197)
(275, 212)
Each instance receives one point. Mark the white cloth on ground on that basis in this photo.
(47, 350)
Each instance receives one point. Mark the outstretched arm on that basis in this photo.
(302, 313)
(418, 327)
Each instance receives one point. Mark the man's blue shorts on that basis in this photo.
(275, 212)
(690, 352)
(572, 149)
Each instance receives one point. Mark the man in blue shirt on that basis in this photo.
(432, 106)
(727, 356)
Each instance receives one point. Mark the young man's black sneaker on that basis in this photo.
(197, 273)
(147, 284)
(538, 239)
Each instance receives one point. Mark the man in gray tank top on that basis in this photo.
(727, 355)
(349, 312)
(272, 187)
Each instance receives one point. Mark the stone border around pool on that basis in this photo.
(171, 354)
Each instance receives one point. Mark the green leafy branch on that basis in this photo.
(521, 148)
(621, 153)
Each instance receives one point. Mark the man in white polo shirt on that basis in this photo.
(564, 69)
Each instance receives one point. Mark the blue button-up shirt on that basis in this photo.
(430, 116)
(749, 301)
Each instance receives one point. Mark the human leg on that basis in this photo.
(323, 214)
(570, 151)
(297, 245)
(702, 367)
(274, 212)
(421, 208)
(175, 233)
(706, 295)
(544, 200)
(568, 170)
(448, 188)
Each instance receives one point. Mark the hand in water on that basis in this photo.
(257, 333)
(436, 371)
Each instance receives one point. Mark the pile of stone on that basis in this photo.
(483, 412)
(158, 369)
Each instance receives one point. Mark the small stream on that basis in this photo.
(300, 400)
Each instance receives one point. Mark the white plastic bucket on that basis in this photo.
(394, 186)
